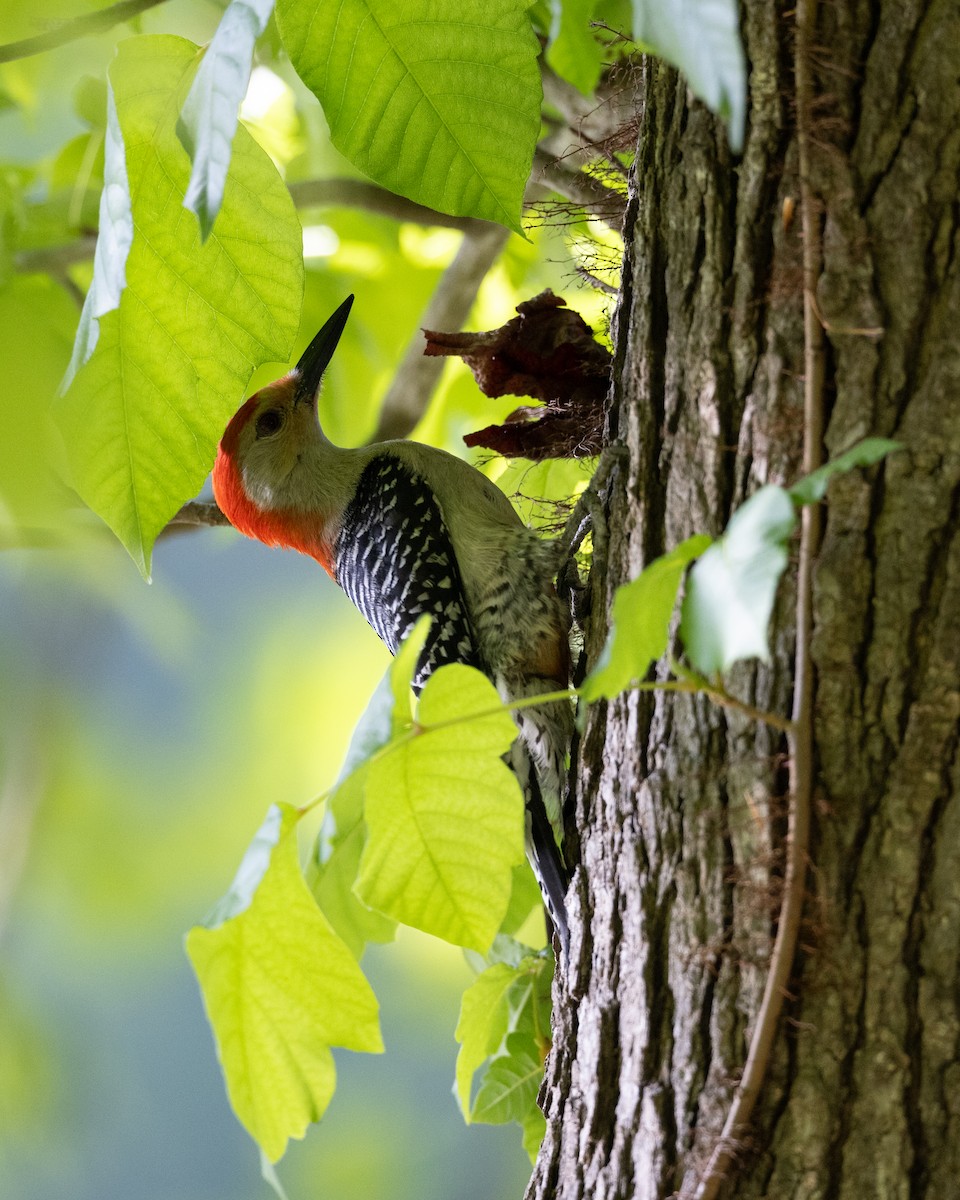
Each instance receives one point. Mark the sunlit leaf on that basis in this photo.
(445, 816)
(573, 51)
(142, 417)
(731, 588)
(438, 103)
(642, 610)
(280, 988)
(702, 38)
(510, 1085)
(506, 1010)
(210, 113)
(813, 487)
(484, 1016)
(334, 890)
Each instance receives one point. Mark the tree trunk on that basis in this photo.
(682, 806)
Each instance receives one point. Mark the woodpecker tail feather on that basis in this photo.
(542, 849)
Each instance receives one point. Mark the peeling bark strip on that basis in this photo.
(680, 807)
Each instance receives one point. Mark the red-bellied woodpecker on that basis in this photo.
(407, 529)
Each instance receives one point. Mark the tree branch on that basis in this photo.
(409, 393)
(77, 27)
(199, 512)
(358, 193)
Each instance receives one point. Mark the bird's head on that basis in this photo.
(265, 478)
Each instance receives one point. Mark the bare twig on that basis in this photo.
(578, 187)
(56, 259)
(199, 512)
(800, 733)
(599, 285)
(78, 27)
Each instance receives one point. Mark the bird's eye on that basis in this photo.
(269, 422)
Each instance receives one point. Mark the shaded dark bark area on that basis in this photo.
(681, 806)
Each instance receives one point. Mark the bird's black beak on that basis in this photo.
(313, 362)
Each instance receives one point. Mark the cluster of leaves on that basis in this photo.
(426, 828)
(443, 109)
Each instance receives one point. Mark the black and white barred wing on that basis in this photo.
(396, 562)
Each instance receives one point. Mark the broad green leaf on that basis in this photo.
(280, 988)
(484, 1018)
(641, 620)
(210, 112)
(573, 51)
(344, 832)
(113, 244)
(438, 102)
(813, 487)
(506, 999)
(333, 887)
(702, 39)
(510, 1085)
(253, 866)
(445, 815)
(142, 416)
(731, 588)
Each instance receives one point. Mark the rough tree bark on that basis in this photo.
(681, 806)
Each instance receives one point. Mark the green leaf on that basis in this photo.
(573, 51)
(731, 588)
(505, 1009)
(343, 833)
(813, 487)
(143, 415)
(445, 815)
(482, 1027)
(641, 620)
(280, 988)
(438, 102)
(702, 39)
(509, 1088)
(211, 110)
(336, 867)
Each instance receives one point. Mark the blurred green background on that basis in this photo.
(144, 730)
